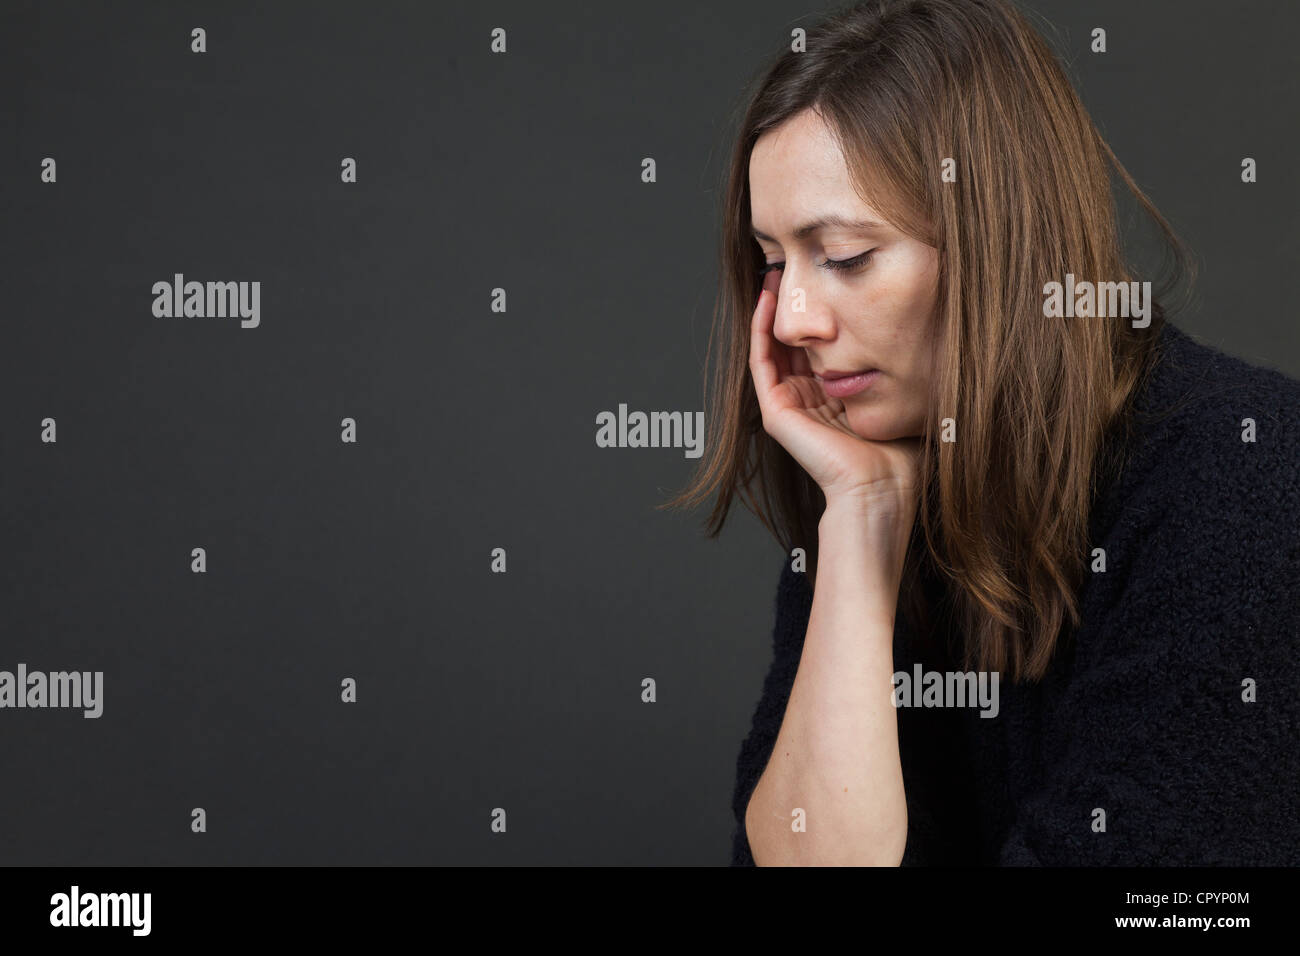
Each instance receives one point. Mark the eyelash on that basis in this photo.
(835, 265)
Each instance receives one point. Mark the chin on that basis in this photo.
(874, 426)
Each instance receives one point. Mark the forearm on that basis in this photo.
(836, 755)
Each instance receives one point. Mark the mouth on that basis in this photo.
(844, 384)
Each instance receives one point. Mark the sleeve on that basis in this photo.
(1180, 718)
(793, 605)
(940, 830)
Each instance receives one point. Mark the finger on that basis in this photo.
(776, 350)
(762, 362)
(779, 352)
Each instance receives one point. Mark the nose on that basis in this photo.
(802, 317)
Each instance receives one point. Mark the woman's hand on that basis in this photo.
(813, 426)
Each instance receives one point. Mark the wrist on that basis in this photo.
(880, 527)
(885, 507)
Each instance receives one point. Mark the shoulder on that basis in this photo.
(1201, 529)
(1209, 415)
(1214, 448)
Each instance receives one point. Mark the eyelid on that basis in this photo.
(834, 265)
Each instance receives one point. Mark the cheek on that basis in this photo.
(916, 287)
(898, 295)
(912, 304)
(889, 321)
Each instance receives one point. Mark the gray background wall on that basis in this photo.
(476, 429)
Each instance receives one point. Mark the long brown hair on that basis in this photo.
(1038, 402)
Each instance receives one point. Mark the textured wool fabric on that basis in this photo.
(1142, 713)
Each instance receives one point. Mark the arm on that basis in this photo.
(836, 755)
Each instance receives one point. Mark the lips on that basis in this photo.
(830, 376)
(843, 384)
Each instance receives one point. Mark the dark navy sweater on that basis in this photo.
(1142, 712)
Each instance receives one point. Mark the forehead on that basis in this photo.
(803, 139)
(797, 169)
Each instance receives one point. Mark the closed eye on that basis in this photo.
(835, 265)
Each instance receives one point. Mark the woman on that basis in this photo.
(1049, 608)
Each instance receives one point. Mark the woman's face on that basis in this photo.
(875, 313)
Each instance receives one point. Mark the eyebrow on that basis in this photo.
(827, 222)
